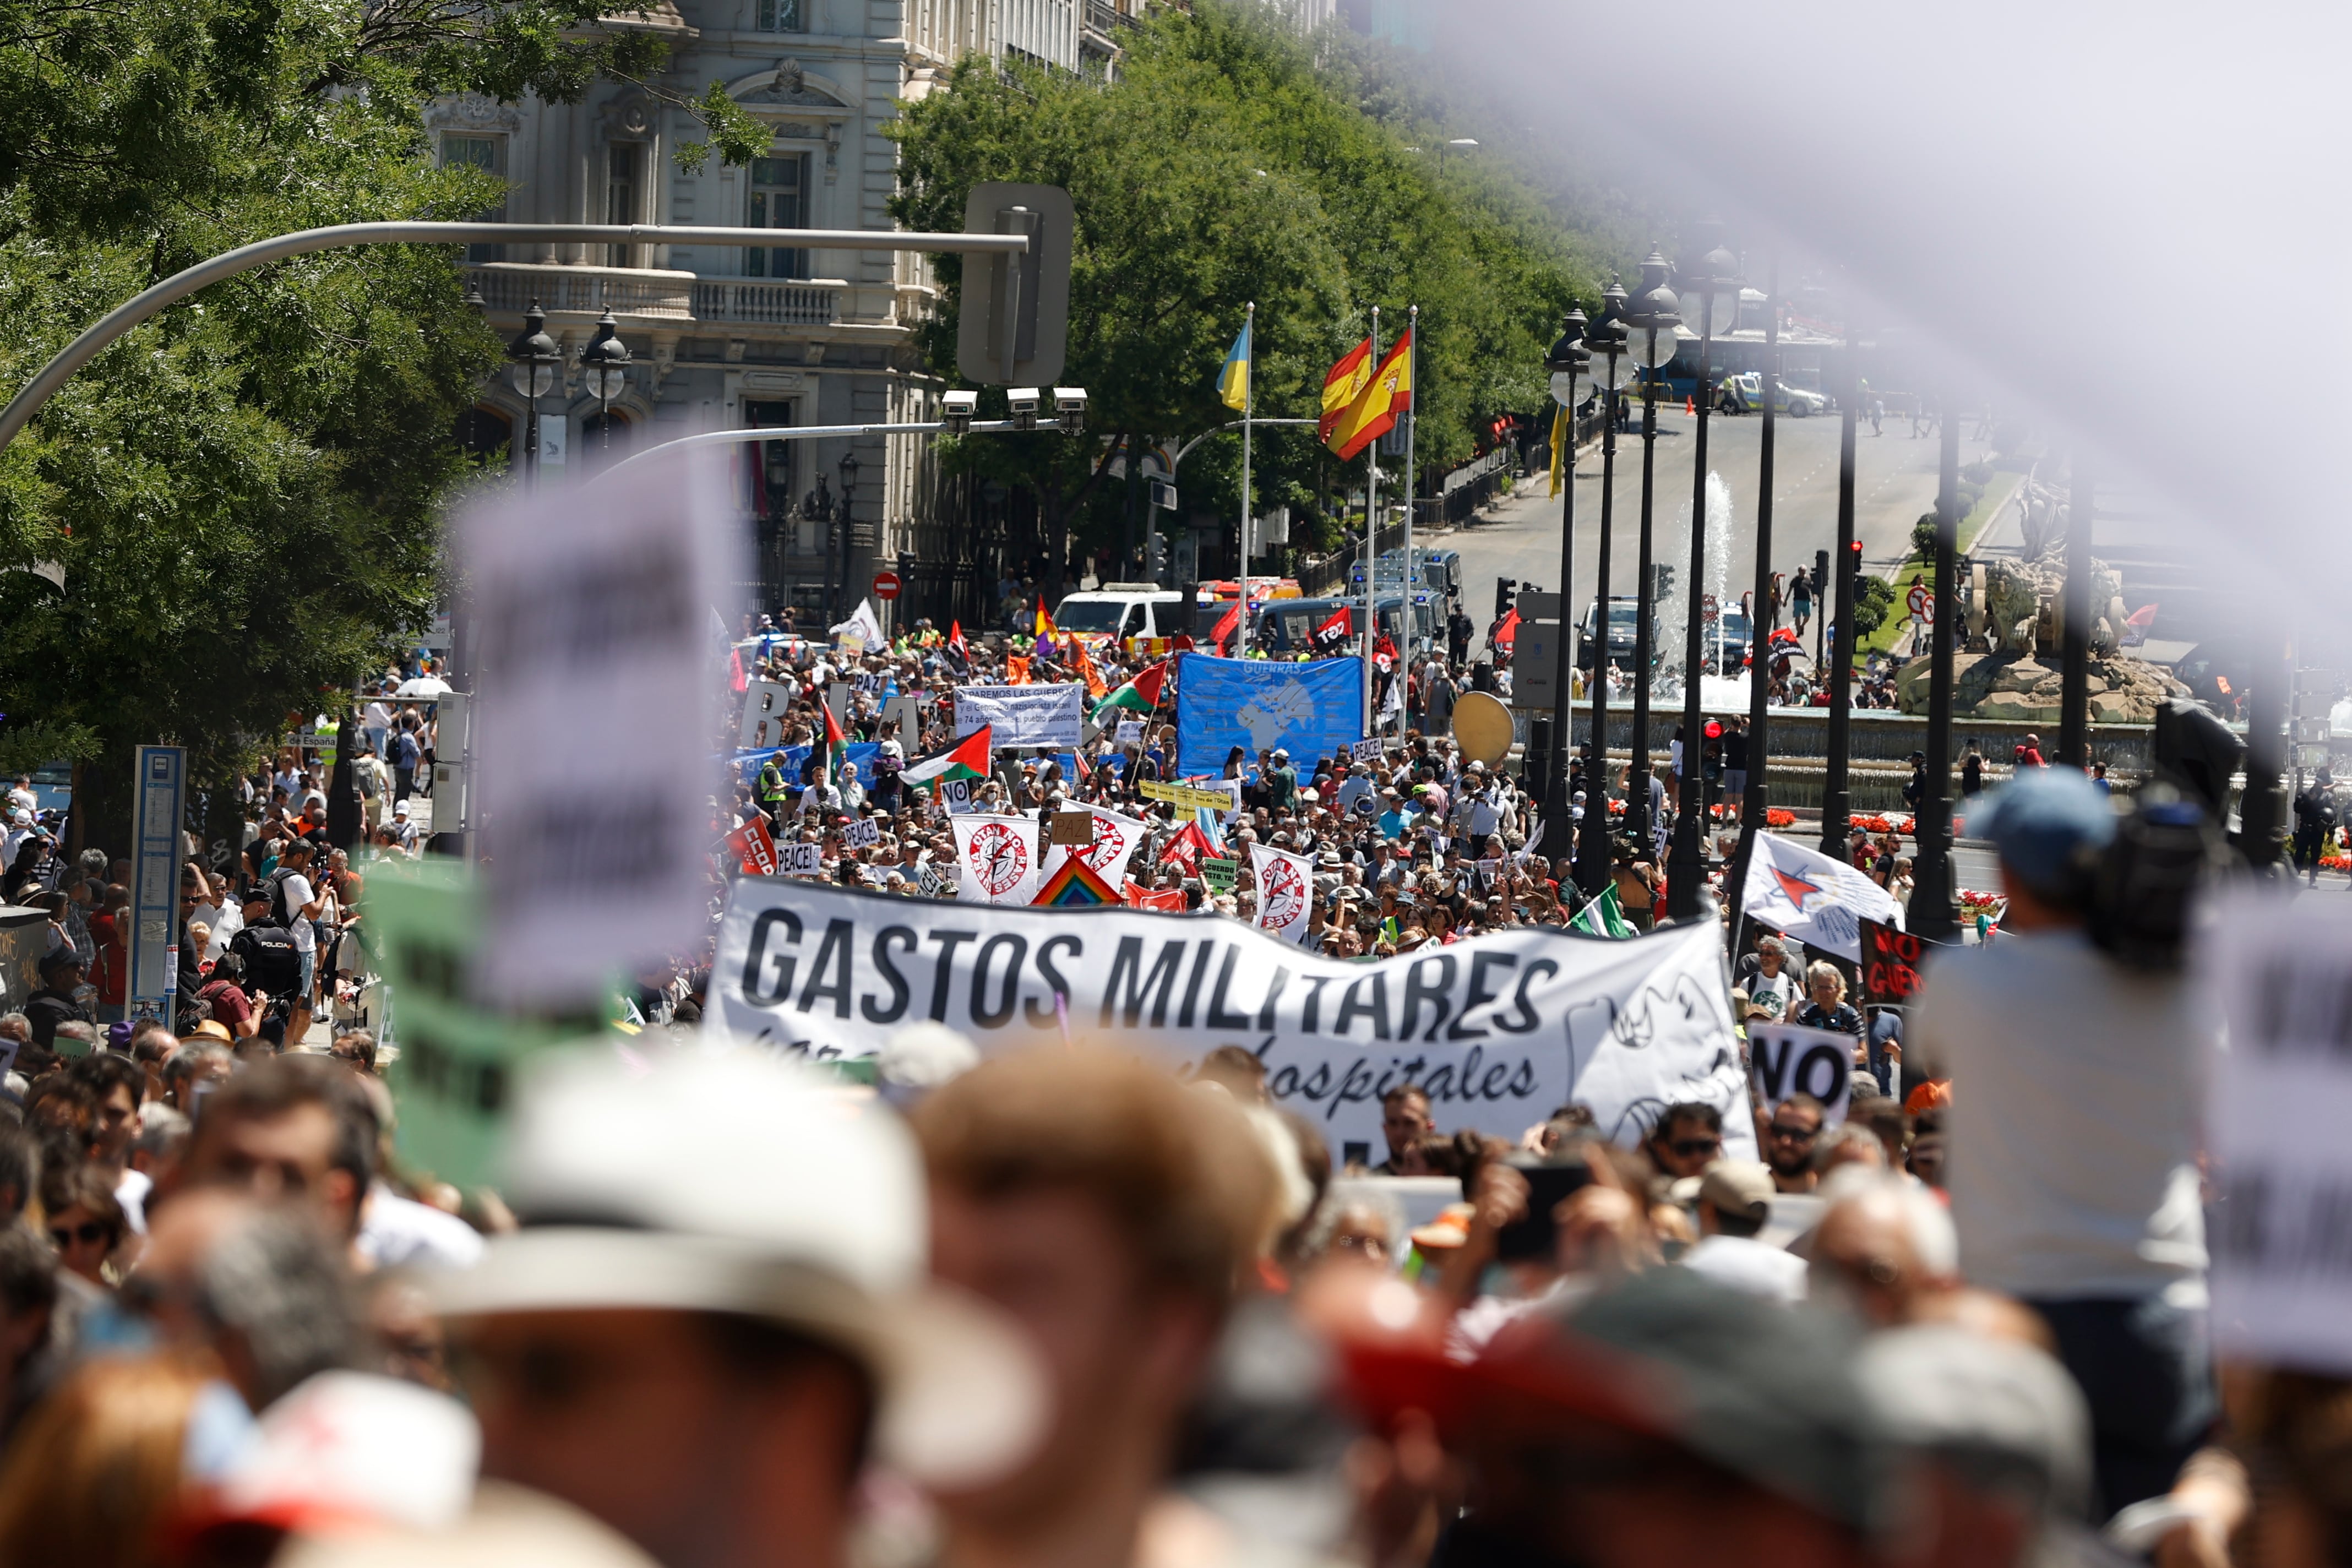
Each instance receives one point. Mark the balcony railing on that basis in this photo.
(509, 286)
(1104, 18)
(770, 304)
(625, 292)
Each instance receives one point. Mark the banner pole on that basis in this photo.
(1371, 539)
(1249, 408)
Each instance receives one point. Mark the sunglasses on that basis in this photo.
(1796, 1134)
(1687, 1147)
(87, 1232)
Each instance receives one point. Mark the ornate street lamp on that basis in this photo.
(1755, 805)
(537, 361)
(1568, 357)
(605, 364)
(840, 543)
(1711, 289)
(1650, 339)
(1610, 368)
(1932, 912)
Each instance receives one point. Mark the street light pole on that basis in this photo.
(1836, 803)
(1756, 803)
(1604, 340)
(1933, 913)
(2074, 660)
(535, 356)
(1687, 867)
(1654, 315)
(1566, 357)
(605, 365)
(842, 519)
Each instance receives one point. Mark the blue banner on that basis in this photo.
(1312, 710)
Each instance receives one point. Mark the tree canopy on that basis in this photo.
(242, 494)
(1230, 162)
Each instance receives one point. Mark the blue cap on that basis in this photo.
(2046, 822)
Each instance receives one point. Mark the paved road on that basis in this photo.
(1895, 482)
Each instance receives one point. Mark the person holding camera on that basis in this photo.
(2073, 1131)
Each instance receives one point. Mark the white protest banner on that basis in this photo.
(1787, 1058)
(862, 832)
(1285, 891)
(2279, 1097)
(999, 855)
(960, 794)
(1129, 734)
(797, 859)
(764, 705)
(593, 854)
(1114, 840)
(1023, 715)
(1819, 901)
(1499, 1029)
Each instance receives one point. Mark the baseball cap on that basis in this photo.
(1742, 1188)
(2047, 825)
(732, 1181)
(400, 808)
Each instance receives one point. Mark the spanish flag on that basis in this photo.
(1560, 441)
(1234, 380)
(1374, 412)
(1343, 386)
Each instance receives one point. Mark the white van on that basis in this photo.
(1124, 610)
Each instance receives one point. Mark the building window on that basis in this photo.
(487, 437)
(624, 164)
(488, 153)
(780, 16)
(779, 200)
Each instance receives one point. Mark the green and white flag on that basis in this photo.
(1603, 917)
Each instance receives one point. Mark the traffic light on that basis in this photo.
(1821, 575)
(1506, 588)
(1155, 555)
(1854, 558)
(1662, 581)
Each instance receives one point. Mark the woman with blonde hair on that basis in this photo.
(93, 1476)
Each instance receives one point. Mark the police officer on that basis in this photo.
(2316, 816)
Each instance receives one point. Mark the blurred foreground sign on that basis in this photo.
(1500, 1030)
(2280, 1226)
(595, 850)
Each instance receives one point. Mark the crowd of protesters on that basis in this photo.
(1069, 1307)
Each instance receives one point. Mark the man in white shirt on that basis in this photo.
(1735, 1199)
(299, 904)
(2072, 1135)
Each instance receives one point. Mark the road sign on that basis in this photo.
(1707, 608)
(885, 585)
(1013, 330)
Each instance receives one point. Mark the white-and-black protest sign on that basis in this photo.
(2279, 1099)
(1129, 734)
(862, 832)
(1787, 1059)
(595, 854)
(794, 860)
(999, 857)
(1033, 715)
(960, 794)
(1499, 1029)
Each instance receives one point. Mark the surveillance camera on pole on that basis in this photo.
(1070, 404)
(1023, 402)
(956, 411)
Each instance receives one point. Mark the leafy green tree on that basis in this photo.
(1231, 162)
(241, 494)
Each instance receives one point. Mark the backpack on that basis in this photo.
(272, 964)
(279, 909)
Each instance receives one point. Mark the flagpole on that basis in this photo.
(1249, 406)
(1371, 538)
(1412, 440)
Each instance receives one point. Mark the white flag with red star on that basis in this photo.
(1819, 901)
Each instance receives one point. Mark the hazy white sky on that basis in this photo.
(2136, 218)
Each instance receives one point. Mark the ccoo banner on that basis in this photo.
(1500, 1030)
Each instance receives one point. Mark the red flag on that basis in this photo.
(736, 678)
(1507, 632)
(1336, 628)
(955, 641)
(1187, 848)
(1140, 898)
(755, 847)
(1384, 652)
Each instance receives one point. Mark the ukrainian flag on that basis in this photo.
(1234, 380)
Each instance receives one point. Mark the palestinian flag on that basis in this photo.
(1075, 884)
(837, 748)
(1603, 917)
(1138, 697)
(1337, 629)
(967, 759)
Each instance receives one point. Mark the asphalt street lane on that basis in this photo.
(1895, 483)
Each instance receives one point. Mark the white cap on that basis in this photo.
(728, 1180)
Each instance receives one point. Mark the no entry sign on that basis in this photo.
(885, 584)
